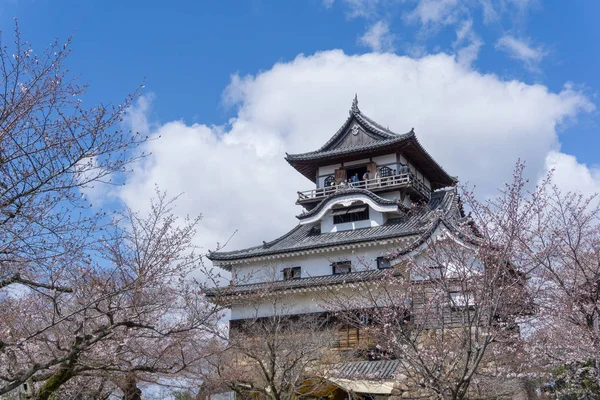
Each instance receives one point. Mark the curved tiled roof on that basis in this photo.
(302, 283)
(320, 154)
(369, 370)
(376, 130)
(383, 141)
(306, 237)
(344, 192)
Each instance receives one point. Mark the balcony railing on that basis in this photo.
(403, 180)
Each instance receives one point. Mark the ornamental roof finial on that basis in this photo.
(354, 109)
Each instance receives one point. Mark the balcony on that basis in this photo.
(384, 184)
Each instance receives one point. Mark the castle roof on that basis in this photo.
(361, 136)
(380, 369)
(443, 203)
(344, 192)
(297, 284)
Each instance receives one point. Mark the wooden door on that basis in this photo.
(372, 168)
(340, 176)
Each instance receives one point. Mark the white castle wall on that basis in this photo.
(294, 303)
(312, 264)
(376, 218)
(312, 302)
(290, 304)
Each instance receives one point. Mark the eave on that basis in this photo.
(408, 145)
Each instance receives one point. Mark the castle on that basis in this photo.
(366, 180)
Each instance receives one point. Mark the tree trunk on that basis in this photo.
(130, 389)
(60, 377)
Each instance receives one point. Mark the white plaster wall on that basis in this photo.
(376, 218)
(294, 303)
(312, 264)
(356, 162)
(383, 160)
(290, 304)
(328, 169)
(393, 195)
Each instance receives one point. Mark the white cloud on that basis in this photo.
(522, 50)
(137, 116)
(515, 9)
(467, 43)
(328, 3)
(475, 125)
(378, 38)
(361, 8)
(435, 12)
(572, 176)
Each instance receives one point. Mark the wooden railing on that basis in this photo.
(376, 184)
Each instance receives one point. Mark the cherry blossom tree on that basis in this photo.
(85, 296)
(565, 334)
(449, 308)
(131, 315)
(280, 357)
(52, 149)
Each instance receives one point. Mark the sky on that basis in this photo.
(230, 86)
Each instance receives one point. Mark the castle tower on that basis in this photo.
(366, 179)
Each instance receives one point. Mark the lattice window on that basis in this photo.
(348, 337)
(385, 172)
(330, 181)
(350, 214)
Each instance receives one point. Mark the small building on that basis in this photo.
(366, 183)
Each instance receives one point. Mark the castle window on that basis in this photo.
(383, 263)
(350, 214)
(292, 273)
(341, 267)
(460, 300)
(385, 172)
(348, 337)
(329, 181)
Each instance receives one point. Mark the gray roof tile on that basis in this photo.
(383, 140)
(369, 370)
(304, 237)
(302, 283)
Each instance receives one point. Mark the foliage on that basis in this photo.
(575, 381)
(84, 296)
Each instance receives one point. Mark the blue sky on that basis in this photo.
(218, 64)
(187, 50)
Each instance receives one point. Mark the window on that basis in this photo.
(292, 273)
(329, 181)
(383, 263)
(341, 267)
(350, 214)
(384, 172)
(461, 299)
(348, 337)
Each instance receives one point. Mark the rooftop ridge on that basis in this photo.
(364, 121)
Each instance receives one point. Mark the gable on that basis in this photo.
(353, 134)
